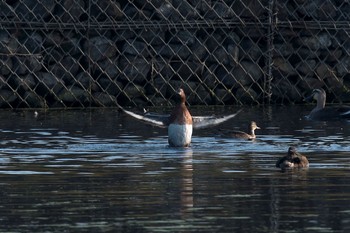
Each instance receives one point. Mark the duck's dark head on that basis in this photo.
(292, 151)
(316, 94)
(180, 96)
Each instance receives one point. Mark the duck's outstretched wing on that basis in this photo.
(150, 118)
(200, 122)
(344, 111)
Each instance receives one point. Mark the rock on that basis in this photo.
(132, 12)
(201, 96)
(220, 11)
(185, 9)
(134, 91)
(344, 96)
(283, 49)
(233, 54)
(159, 86)
(189, 70)
(286, 11)
(27, 82)
(86, 82)
(70, 11)
(285, 91)
(138, 101)
(66, 69)
(185, 37)
(109, 67)
(310, 83)
(53, 38)
(324, 71)
(48, 84)
(71, 46)
(3, 82)
(345, 11)
(104, 100)
(7, 97)
(167, 12)
(73, 94)
(232, 38)
(213, 40)
(332, 55)
(306, 67)
(226, 77)
(99, 48)
(247, 95)
(111, 87)
(161, 68)
(224, 96)
(6, 11)
(53, 55)
(6, 65)
(34, 10)
(26, 64)
(209, 77)
(203, 7)
(106, 10)
(31, 44)
(219, 55)
(250, 50)
(284, 66)
(335, 84)
(343, 66)
(159, 101)
(149, 4)
(150, 36)
(316, 42)
(8, 44)
(307, 54)
(136, 48)
(247, 73)
(318, 9)
(134, 69)
(250, 8)
(33, 100)
(173, 51)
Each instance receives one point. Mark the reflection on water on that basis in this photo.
(99, 171)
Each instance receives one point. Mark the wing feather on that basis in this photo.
(153, 119)
(200, 122)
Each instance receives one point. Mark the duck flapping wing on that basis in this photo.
(200, 122)
(150, 118)
(162, 120)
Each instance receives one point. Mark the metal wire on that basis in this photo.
(110, 53)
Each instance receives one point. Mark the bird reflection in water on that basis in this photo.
(187, 183)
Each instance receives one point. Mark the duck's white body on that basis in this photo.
(179, 135)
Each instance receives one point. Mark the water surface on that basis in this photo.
(100, 171)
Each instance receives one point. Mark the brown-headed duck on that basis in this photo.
(293, 159)
(180, 122)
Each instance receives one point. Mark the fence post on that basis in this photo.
(270, 49)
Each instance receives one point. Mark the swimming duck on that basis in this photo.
(243, 135)
(320, 112)
(293, 159)
(180, 122)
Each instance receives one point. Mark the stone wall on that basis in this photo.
(100, 53)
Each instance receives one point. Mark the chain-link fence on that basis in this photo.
(103, 52)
